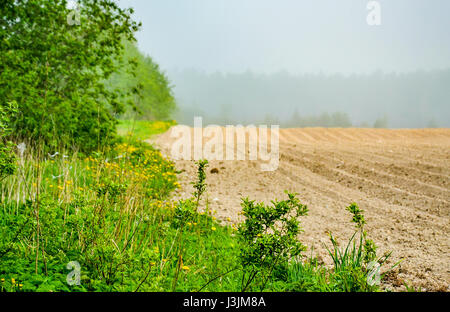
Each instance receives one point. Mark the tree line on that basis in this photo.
(397, 100)
(70, 81)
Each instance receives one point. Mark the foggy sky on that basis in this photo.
(297, 36)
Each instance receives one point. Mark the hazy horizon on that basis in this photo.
(265, 36)
(244, 60)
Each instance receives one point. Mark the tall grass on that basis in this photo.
(112, 213)
(142, 129)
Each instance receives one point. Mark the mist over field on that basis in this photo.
(302, 63)
(413, 100)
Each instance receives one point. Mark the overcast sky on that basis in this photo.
(298, 36)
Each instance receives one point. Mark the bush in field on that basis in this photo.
(357, 267)
(268, 237)
(56, 68)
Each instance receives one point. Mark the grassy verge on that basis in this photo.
(142, 129)
(106, 222)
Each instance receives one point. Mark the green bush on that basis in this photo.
(7, 156)
(268, 237)
(56, 70)
(154, 98)
(356, 267)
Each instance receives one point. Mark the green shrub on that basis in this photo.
(356, 267)
(268, 236)
(56, 71)
(7, 156)
(141, 73)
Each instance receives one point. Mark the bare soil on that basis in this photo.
(400, 178)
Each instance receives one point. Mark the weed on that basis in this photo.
(7, 156)
(200, 185)
(356, 267)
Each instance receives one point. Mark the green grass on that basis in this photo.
(143, 129)
(112, 213)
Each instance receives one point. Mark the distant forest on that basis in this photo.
(149, 94)
(408, 100)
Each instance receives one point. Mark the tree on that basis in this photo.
(153, 98)
(56, 70)
(381, 122)
(432, 123)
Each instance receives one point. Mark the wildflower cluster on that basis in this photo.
(107, 211)
(10, 285)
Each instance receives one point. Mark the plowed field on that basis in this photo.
(400, 178)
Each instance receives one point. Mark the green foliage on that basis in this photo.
(410, 288)
(357, 265)
(350, 265)
(111, 189)
(268, 236)
(110, 212)
(309, 276)
(7, 160)
(303, 277)
(381, 122)
(200, 185)
(7, 156)
(143, 129)
(56, 71)
(185, 212)
(150, 95)
(358, 217)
